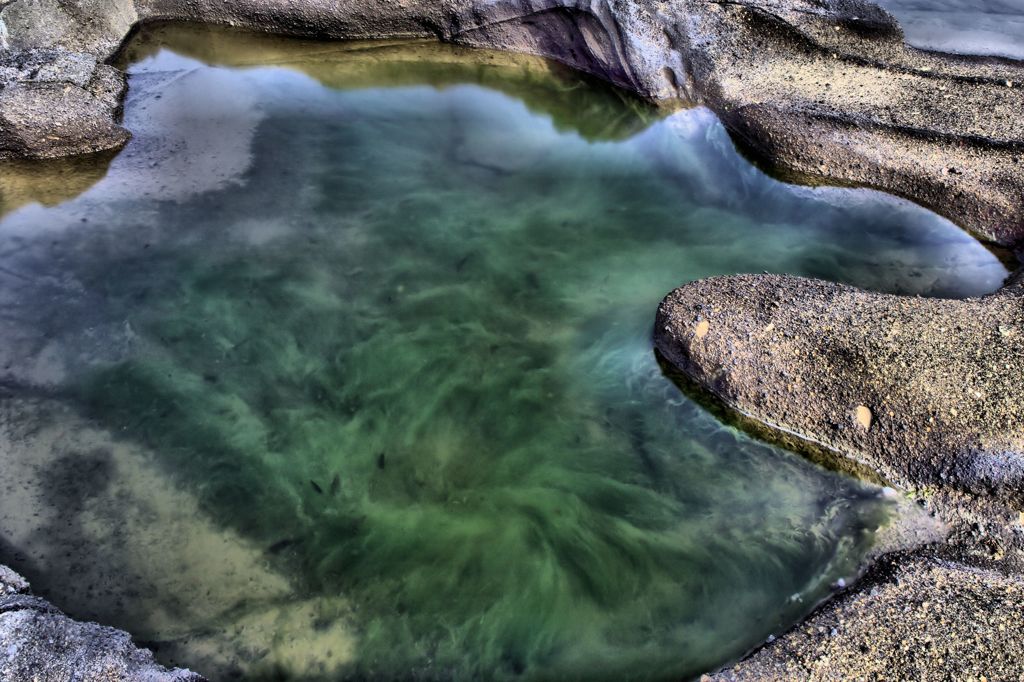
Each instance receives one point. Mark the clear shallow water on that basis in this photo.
(982, 27)
(344, 371)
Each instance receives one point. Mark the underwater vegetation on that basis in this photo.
(398, 338)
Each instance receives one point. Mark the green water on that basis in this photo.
(384, 313)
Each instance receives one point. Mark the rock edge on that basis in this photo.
(39, 643)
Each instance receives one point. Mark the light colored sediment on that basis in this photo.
(68, 489)
(924, 392)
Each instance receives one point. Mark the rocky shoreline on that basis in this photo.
(38, 642)
(923, 392)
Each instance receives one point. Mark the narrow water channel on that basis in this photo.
(342, 370)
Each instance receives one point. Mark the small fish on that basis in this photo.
(281, 545)
(381, 461)
(317, 488)
(335, 485)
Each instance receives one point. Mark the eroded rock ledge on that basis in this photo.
(924, 392)
(58, 103)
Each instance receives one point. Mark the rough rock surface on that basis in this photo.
(39, 643)
(56, 103)
(829, 90)
(94, 27)
(913, 617)
(924, 392)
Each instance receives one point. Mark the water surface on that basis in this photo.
(980, 27)
(344, 371)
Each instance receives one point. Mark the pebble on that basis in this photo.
(863, 416)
